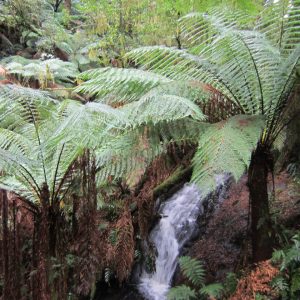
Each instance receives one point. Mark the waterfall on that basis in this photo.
(175, 228)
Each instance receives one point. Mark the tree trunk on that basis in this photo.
(68, 5)
(43, 245)
(260, 214)
(5, 254)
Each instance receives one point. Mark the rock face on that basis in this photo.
(219, 247)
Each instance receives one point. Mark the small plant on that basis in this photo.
(193, 270)
(230, 284)
(288, 280)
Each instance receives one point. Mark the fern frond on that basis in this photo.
(192, 269)
(116, 85)
(20, 104)
(156, 108)
(286, 78)
(234, 139)
(181, 292)
(42, 70)
(88, 123)
(201, 29)
(213, 290)
(131, 152)
(128, 153)
(11, 139)
(238, 65)
(280, 22)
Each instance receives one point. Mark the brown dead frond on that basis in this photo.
(257, 282)
(124, 253)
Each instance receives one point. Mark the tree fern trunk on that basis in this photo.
(260, 213)
(43, 245)
(5, 245)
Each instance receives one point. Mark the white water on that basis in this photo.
(175, 228)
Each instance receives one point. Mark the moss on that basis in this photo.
(173, 182)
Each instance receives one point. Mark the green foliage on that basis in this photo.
(35, 22)
(280, 22)
(234, 139)
(181, 292)
(192, 269)
(212, 290)
(120, 85)
(41, 138)
(249, 72)
(194, 272)
(230, 283)
(45, 71)
(288, 281)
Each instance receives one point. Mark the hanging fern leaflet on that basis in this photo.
(226, 147)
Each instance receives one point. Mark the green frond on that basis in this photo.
(156, 108)
(11, 160)
(280, 22)
(182, 66)
(131, 152)
(234, 139)
(201, 29)
(17, 93)
(193, 270)
(88, 123)
(285, 80)
(181, 292)
(116, 85)
(43, 70)
(128, 153)
(20, 104)
(181, 131)
(238, 65)
(20, 187)
(245, 61)
(156, 58)
(10, 139)
(58, 163)
(213, 290)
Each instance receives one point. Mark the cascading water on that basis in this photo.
(175, 228)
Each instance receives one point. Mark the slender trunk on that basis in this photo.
(121, 17)
(260, 214)
(17, 261)
(34, 259)
(53, 227)
(5, 257)
(68, 5)
(43, 245)
(56, 5)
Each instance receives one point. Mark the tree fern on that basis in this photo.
(44, 137)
